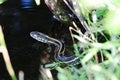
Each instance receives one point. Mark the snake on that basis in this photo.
(41, 37)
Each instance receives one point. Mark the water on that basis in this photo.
(17, 22)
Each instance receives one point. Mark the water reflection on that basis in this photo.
(27, 3)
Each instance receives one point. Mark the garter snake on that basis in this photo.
(72, 60)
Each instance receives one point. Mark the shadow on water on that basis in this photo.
(17, 22)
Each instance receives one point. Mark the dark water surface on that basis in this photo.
(17, 23)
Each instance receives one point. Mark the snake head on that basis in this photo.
(39, 36)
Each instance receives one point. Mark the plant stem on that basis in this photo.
(4, 51)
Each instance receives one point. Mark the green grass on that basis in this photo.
(103, 19)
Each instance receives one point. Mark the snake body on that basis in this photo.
(49, 40)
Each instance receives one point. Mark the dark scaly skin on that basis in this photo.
(49, 40)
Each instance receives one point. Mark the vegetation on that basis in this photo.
(100, 58)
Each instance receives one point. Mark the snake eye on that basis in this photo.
(35, 36)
